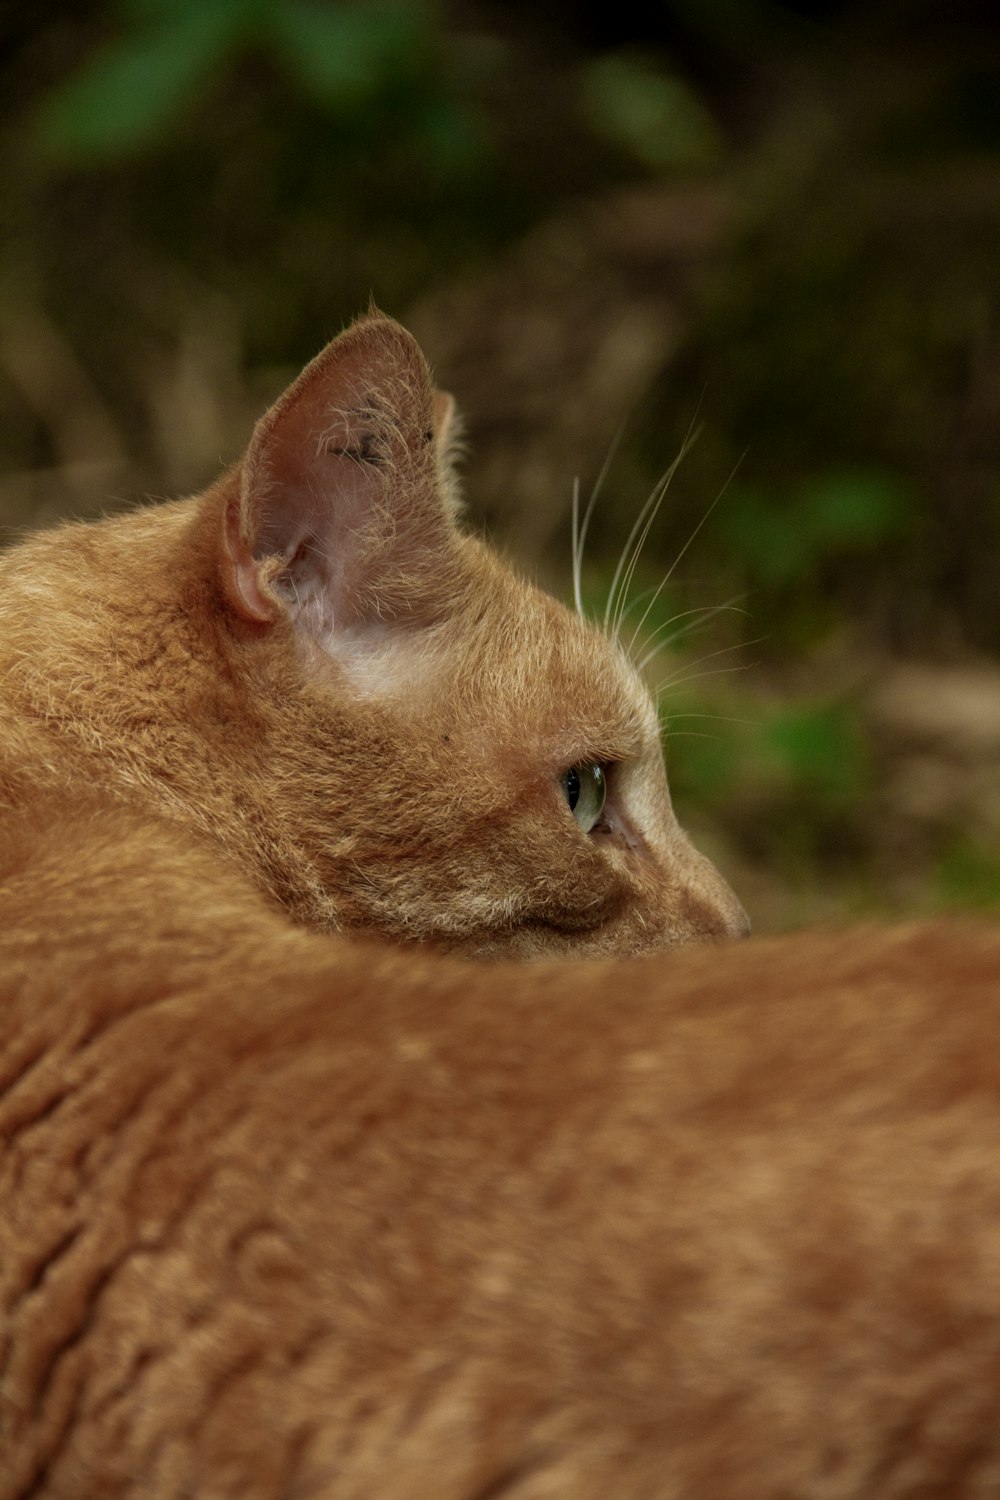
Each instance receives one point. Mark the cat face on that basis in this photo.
(366, 709)
(462, 760)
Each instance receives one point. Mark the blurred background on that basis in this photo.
(758, 236)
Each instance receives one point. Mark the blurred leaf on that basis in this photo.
(765, 538)
(344, 54)
(340, 54)
(969, 876)
(704, 768)
(166, 13)
(854, 510)
(800, 757)
(650, 112)
(828, 517)
(452, 141)
(821, 749)
(122, 99)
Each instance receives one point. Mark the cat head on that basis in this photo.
(453, 755)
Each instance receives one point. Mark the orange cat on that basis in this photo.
(361, 708)
(286, 1211)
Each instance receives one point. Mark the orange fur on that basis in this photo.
(288, 1211)
(364, 708)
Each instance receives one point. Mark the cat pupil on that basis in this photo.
(571, 786)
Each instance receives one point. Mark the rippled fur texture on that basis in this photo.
(291, 1213)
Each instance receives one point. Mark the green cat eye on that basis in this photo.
(585, 788)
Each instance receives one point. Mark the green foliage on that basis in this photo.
(648, 111)
(968, 875)
(342, 57)
(797, 750)
(132, 89)
(823, 521)
(818, 752)
(795, 777)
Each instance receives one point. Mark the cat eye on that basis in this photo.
(585, 788)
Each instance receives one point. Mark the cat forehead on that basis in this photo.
(519, 664)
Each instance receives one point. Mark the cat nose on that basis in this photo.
(713, 911)
(734, 920)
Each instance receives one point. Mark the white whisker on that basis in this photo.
(673, 566)
(676, 682)
(636, 602)
(580, 529)
(690, 734)
(706, 613)
(652, 499)
(667, 687)
(632, 550)
(619, 610)
(719, 718)
(575, 544)
(709, 655)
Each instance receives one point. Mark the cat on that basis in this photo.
(312, 668)
(298, 1197)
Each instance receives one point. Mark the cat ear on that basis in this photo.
(342, 516)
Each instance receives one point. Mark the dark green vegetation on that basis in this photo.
(774, 223)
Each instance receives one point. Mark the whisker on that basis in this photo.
(722, 651)
(711, 508)
(627, 576)
(689, 734)
(706, 612)
(580, 529)
(632, 550)
(659, 491)
(574, 543)
(677, 682)
(720, 718)
(639, 599)
(650, 500)
(673, 566)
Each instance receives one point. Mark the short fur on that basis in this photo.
(365, 709)
(291, 1214)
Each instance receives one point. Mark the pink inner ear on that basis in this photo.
(338, 488)
(243, 572)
